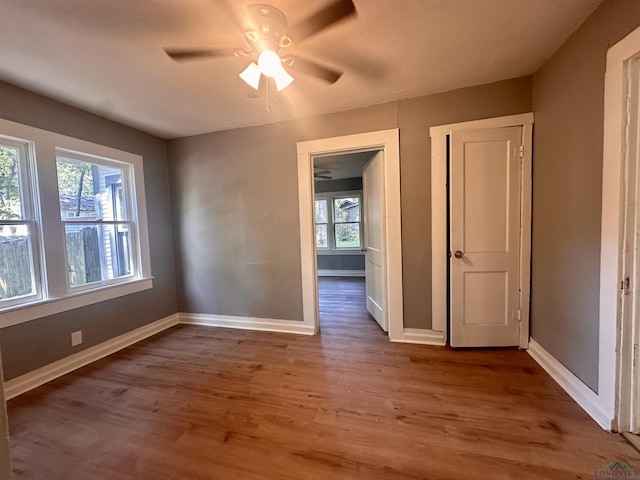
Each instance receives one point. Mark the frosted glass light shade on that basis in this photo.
(270, 65)
(282, 79)
(251, 75)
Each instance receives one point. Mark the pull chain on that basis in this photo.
(267, 107)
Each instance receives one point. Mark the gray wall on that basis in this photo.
(567, 192)
(235, 199)
(33, 344)
(341, 262)
(339, 185)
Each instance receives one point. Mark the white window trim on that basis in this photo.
(131, 222)
(56, 298)
(332, 249)
(327, 223)
(30, 214)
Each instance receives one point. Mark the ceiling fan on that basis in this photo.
(323, 174)
(267, 35)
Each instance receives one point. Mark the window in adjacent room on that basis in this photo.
(346, 222)
(338, 221)
(322, 240)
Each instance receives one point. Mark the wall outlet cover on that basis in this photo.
(76, 338)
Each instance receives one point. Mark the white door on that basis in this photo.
(374, 246)
(485, 187)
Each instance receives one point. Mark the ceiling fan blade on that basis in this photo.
(311, 68)
(322, 172)
(182, 54)
(322, 19)
(324, 177)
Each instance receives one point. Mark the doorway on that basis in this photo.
(390, 256)
(341, 219)
(617, 400)
(480, 276)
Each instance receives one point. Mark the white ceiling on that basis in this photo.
(107, 56)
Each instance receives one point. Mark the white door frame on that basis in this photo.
(615, 358)
(439, 247)
(388, 142)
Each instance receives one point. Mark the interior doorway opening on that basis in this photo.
(341, 213)
(386, 253)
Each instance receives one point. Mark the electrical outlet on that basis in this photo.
(76, 338)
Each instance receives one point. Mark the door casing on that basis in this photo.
(439, 224)
(616, 401)
(389, 142)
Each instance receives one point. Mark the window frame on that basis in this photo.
(335, 223)
(30, 213)
(326, 224)
(131, 223)
(331, 248)
(56, 297)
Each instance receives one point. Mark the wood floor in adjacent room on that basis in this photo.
(210, 403)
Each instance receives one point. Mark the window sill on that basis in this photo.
(342, 251)
(42, 308)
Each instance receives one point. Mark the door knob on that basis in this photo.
(459, 254)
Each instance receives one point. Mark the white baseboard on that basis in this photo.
(246, 323)
(421, 336)
(341, 273)
(40, 376)
(583, 395)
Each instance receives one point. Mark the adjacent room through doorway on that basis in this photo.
(341, 244)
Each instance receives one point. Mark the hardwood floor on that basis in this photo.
(210, 403)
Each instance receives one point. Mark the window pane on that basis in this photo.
(321, 236)
(321, 211)
(346, 209)
(347, 235)
(97, 252)
(90, 191)
(10, 195)
(16, 268)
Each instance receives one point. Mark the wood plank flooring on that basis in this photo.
(210, 403)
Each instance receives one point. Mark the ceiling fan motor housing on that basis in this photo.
(268, 26)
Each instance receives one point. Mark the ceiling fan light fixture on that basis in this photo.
(251, 75)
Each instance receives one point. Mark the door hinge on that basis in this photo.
(635, 354)
(625, 286)
(518, 315)
(521, 151)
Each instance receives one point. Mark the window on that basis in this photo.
(346, 222)
(321, 224)
(73, 228)
(338, 227)
(19, 279)
(96, 214)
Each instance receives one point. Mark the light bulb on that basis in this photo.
(269, 63)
